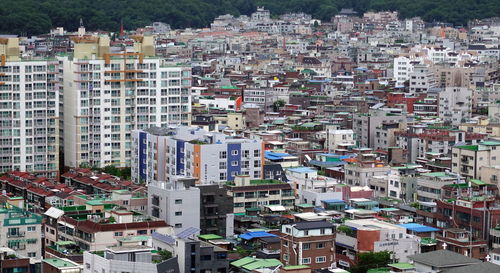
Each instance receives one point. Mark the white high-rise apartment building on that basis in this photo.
(107, 95)
(402, 68)
(29, 111)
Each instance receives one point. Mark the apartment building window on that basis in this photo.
(178, 225)
(222, 176)
(156, 200)
(321, 259)
(178, 213)
(178, 201)
(306, 260)
(245, 164)
(256, 153)
(142, 232)
(31, 254)
(234, 152)
(31, 228)
(320, 245)
(117, 234)
(223, 155)
(222, 165)
(234, 163)
(306, 246)
(256, 164)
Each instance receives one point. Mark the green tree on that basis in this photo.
(164, 254)
(278, 104)
(371, 260)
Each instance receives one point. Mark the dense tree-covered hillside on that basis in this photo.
(38, 16)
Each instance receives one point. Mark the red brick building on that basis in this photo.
(308, 243)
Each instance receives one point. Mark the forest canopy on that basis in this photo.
(31, 17)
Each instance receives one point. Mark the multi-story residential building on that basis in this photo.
(339, 139)
(177, 202)
(421, 79)
(365, 124)
(460, 241)
(429, 185)
(107, 95)
(476, 215)
(29, 98)
(427, 107)
(483, 127)
(21, 231)
(210, 157)
(490, 174)
(263, 97)
(403, 66)
(455, 105)
(216, 207)
(10, 261)
(96, 226)
(384, 135)
(467, 160)
(371, 235)
(192, 254)
(130, 258)
(366, 166)
(249, 193)
(308, 243)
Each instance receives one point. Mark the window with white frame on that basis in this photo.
(320, 259)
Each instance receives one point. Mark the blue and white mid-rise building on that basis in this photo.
(158, 154)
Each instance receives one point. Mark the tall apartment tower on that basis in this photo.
(29, 111)
(107, 95)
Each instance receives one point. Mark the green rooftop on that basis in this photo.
(207, 237)
(436, 174)
(402, 266)
(469, 147)
(59, 263)
(427, 241)
(490, 143)
(94, 202)
(249, 263)
(478, 182)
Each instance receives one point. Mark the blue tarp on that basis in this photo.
(256, 234)
(418, 227)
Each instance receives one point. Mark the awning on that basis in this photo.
(66, 224)
(276, 208)
(54, 212)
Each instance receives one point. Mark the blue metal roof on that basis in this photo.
(275, 156)
(419, 228)
(256, 234)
